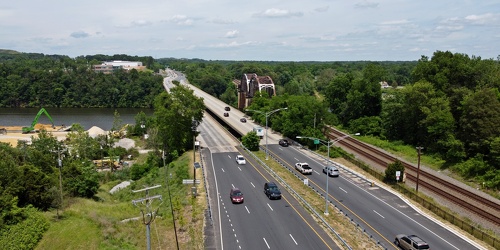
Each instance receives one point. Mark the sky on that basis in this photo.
(258, 30)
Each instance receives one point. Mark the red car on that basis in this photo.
(236, 195)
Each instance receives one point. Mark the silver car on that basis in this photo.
(331, 171)
(410, 242)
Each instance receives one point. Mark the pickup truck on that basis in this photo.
(303, 168)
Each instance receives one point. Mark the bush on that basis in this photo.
(25, 234)
(390, 172)
(251, 141)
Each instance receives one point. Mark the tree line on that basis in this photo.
(37, 80)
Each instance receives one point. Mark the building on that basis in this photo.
(109, 67)
(251, 84)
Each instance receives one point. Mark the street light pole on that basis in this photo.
(418, 165)
(327, 161)
(328, 144)
(267, 114)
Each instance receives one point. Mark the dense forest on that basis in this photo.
(37, 80)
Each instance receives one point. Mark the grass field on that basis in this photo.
(98, 223)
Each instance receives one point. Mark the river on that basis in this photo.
(87, 117)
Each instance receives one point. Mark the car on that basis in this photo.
(227, 108)
(303, 167)
(226, 114)
(284, 143)
(272, 191)
(240, 160)
(331, 171)
(410, 242)
(236, 195)
(243, 120)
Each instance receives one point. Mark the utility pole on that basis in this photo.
(148, 215)
(418, 165)
(59, 163)
(194, 125)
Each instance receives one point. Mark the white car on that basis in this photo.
(303, 167)
(240, 160)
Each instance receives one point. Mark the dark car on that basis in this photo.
(243, 120)
(236, 195)
(226, 114)
(410, 242)
(227, 108)
(272, 191)
(284, 143)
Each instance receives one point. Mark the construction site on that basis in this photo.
(13, 134)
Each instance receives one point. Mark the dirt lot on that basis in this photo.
(14, 133)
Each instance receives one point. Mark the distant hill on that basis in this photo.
(9, 52)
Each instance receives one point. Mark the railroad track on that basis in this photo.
(474, 203)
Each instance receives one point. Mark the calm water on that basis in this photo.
(87, 117)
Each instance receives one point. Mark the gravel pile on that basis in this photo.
(95, 131)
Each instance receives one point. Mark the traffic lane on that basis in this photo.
(380, 217)
(278, 223)
(337, 194)
(380, 213)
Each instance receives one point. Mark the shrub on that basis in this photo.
(390, 171)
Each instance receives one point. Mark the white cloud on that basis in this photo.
(181, 20)
(141, 23)
(222, 21)
(232, 34)
(234, 44)
(276, 13)
(487, 18)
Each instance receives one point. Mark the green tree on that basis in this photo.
(479, 121)
(175, 113)
(367, 126)
(251, 141)
(81, 179)
(390, 171)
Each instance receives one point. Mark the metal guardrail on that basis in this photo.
(209, 208)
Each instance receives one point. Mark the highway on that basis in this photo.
(378, 210)
(258, 223)
(382, 213)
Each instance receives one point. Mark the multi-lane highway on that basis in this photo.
(257, 223)
(378, 210)
(381, 212)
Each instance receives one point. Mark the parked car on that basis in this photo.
(272, 191)
(243, 120)
(303, 167)
(227, 108)
(284, 143)
(226, 114)
(331, 171)
(240, 160)
(236, 195)
(410, 242)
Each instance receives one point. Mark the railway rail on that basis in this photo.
(474, 203)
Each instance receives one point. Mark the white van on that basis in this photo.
(331, 171)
